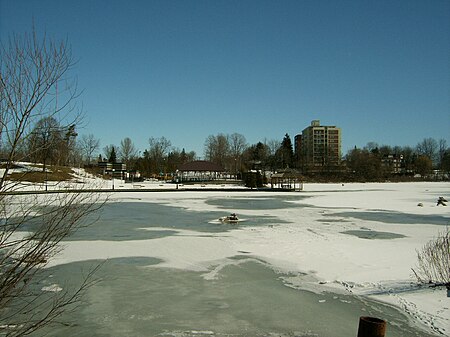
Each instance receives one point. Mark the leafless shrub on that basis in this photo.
(433, 265)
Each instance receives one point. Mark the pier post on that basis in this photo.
(371, 327)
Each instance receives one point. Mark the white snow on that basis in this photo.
(306, 239)
(52, 288)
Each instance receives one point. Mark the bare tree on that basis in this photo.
(157, 153)
(442, 150)
(434, 261)
(32, 226)
(428, 147)
(159, 147)
(272, 145)
(127, 150)
(423, 165)
(31, 69)
(209, 147)
(238, 145)
(45, 141)
(217, 148)
(363, 164)
(89, 145)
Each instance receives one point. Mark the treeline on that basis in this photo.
(55, 144)
(47, 143)
(232, 152)
(374, 162)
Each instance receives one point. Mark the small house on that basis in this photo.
(288, 179)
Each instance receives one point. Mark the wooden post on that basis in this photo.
(371, 327)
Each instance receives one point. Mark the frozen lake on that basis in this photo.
(246, 299)
(173, 270)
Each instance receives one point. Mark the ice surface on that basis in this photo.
(300, 236)
(244, 298)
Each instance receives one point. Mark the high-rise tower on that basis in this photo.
(318, 146)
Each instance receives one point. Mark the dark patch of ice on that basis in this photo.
(373, 235)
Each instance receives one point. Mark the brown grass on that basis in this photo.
(55, 173)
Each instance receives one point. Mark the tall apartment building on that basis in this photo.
(318, 146)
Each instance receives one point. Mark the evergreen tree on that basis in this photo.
(113, 156)
(285, 153)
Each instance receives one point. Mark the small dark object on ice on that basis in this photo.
(232, 218)
(441, 201)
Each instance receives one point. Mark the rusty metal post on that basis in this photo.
(371, 327)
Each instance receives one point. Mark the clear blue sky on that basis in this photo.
(380, 70)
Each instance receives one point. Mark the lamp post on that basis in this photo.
(113, 178)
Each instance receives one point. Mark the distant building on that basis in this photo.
(393, 163)
(318, 147)
(116, 170)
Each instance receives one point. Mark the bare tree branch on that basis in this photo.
(36, 95)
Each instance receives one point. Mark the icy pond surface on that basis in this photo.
(246, 296)
(247, 299)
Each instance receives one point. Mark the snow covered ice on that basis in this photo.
(301, 264)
